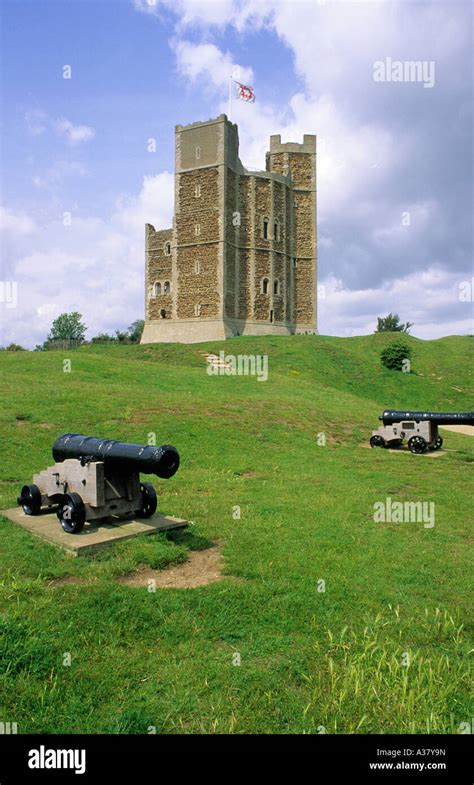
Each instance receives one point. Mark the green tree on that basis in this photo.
(392, 324)
(396, 356)
(14, 347)
(131, 335)
(103, 338)
(67, 329)
(135, 330)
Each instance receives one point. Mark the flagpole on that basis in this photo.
(230, 95)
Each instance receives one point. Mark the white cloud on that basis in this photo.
(38, 122)
(191, 12)
(58, 172)
(74, 134)
(206, 61)
(154, 204)
(15, 223)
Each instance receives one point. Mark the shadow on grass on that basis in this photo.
(189, 540)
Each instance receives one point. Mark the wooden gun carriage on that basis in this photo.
(98, 478)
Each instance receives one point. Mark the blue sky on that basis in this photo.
(394, 159)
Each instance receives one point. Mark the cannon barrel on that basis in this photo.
(391, 416)
(162, 461)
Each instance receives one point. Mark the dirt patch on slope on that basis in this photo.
(467, 429)
(202, 567)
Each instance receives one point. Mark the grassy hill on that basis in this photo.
(319, 603)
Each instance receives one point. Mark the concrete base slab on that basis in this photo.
(404, 450)
(94, 535)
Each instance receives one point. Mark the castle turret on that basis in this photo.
(299, 161)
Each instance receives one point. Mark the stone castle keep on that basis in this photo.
(240, 258)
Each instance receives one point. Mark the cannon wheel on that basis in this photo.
(377, 441)
(417, 445)
(438, 443)
(30, 499)
(149, 500)
(71, 513)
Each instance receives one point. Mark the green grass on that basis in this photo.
(309, 659)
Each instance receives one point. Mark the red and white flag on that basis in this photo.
(245, 92)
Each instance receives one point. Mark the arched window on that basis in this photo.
(157, 288)
(167, 249)
(167, 287)
(265, 228)
(276, 286)
(264, 285)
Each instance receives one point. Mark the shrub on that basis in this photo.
(396, 355)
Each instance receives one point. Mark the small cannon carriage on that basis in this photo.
(97, 478)
(420, 428)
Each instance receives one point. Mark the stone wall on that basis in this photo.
(158, 268)
(197, 288)
(197, 231)
(301, 167)
(244, 310)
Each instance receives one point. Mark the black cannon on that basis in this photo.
(98, 478)
(420, 428)
(391, 416)
(162, 461)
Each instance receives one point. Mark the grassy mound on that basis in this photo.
(324, 619)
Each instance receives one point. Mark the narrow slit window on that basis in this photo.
(265, 228)
(264, 285)
(167, 287)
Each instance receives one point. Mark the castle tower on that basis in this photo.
(241, 255)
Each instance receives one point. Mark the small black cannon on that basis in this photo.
(97, 478)
(420, 428)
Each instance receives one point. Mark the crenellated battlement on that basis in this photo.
(308, 145)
